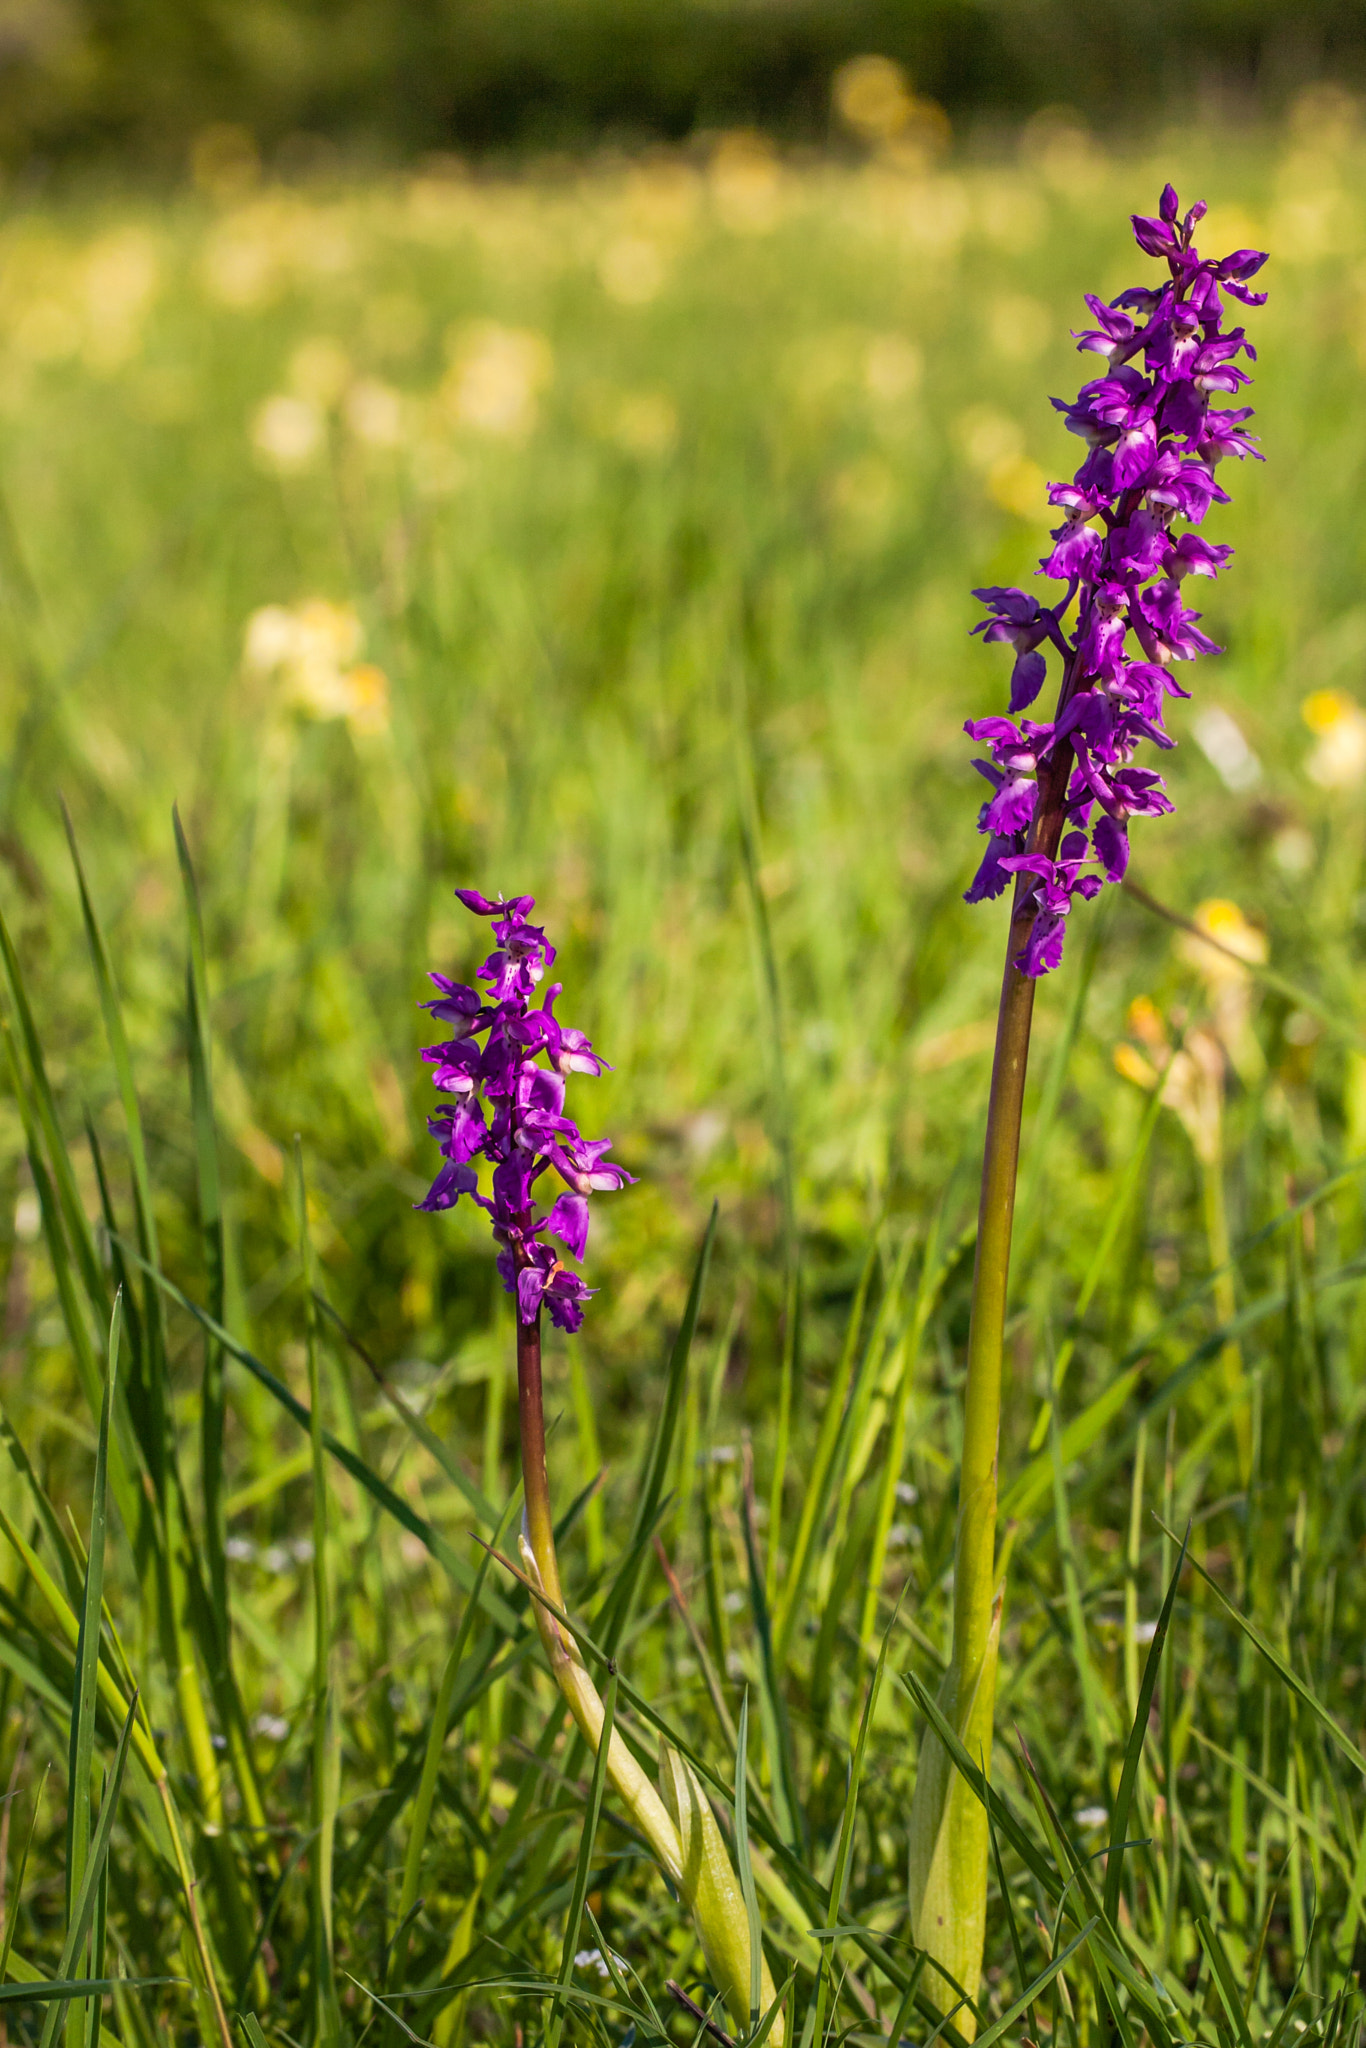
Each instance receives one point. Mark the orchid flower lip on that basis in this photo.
(527, 1132)
(1154, 437)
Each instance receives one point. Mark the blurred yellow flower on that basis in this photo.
(368, 690)
(746, 183)
(287, 433)
(374, 412)
(311, 648)
(1225, 923)
(496, 377)
(891, 368)
(1228, 985)
(319, 370)
(632, 270)
(120, 282)
(873, 97)
(1338, 723)
(1191, 1081)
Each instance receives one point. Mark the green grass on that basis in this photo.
(686, 654)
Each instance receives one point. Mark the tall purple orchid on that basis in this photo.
(527, 1131)
(1063, 794)
(1057, 821)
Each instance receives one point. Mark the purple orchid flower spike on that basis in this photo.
(527, 1131)
(1154, 437)
(1056, 822)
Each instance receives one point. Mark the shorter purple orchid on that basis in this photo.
(1154, 438)
(527, 1131)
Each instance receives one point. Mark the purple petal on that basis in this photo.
(569, 1222)
(1026, 679)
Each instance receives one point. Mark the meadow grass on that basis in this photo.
(606, 534)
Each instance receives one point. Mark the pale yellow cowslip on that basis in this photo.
(679, 1828)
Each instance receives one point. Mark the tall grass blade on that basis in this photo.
(787, 1800)
(432, 1539)
(816, 1492)
(744, 1867)
(1133, 1754)
(16, 1893)
(1222, 1972)
(212, 1394)
(437, 1737)
(83, 1907)
(326, 1747)
(1031, 1991)
(1284, 1671)
(584, 1864)
(72, 1208)
(80, 1755)
(844, 1848)
(617, 1608)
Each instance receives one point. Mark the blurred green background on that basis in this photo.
(392, 78)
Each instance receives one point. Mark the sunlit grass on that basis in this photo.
(607, 535)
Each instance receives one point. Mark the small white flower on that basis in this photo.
(1145, 1631)
(591, 1959)
(1091, 1817)
(273, 1726)
(239, 1549)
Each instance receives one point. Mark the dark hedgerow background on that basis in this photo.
(402, 76)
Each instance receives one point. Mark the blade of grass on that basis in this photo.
(78, 1921)
(583, 1865)
(430, 1441)
(212, 1396)
(72, 1208)
(432, 1539)
(1222, 1973)
(437, 1737)
(787, 1801)
(80, 1754)
(816, 1493)
(1284, 1671)
(1128, 1777)
(1300, 997)
(617, 1607)
(744, 1869)
(844, 1848)
(12, 1916)
(326, 1746)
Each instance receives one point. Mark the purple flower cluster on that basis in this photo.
(527, 1129)
(1154, 440)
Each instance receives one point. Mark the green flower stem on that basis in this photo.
(540, 1522)
(948, 1863)
(975, 1546)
